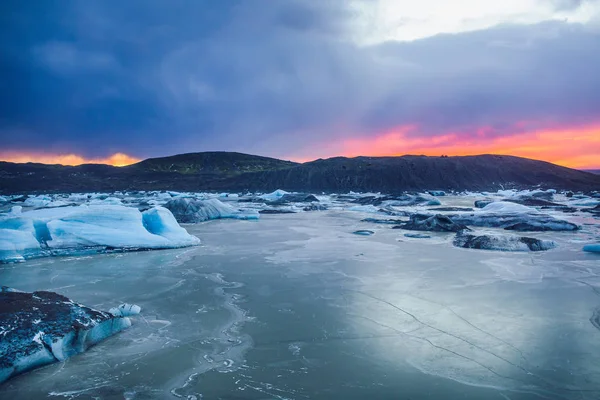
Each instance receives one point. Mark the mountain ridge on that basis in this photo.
(232, 171)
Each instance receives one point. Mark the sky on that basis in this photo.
(117, 81)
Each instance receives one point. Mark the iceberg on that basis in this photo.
(125, 310)
(512, 216)
(437, 193)
(188, 210)
(363, 232)
(295, 198)
(505, 207)
(501, 242)
(37, 201)
(41, 328)
(399, 201)
(15, 245)
(273, 196)
(70, 230)
(431, 223)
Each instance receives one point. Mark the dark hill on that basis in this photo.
(225, 171)
(220, 163)
(391, 174)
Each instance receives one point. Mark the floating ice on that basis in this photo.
(512, 216)
(592, 248)
(363, 232)
(501, 242)
(432, 223)
(44, 327)
(74, 229)
(125, 310)
(437, 193)
(188, 210)
(274, 195)
(505, 207)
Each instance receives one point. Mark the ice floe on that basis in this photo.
(69, 230)
(188, 210)
(41, 328)
(468, 240)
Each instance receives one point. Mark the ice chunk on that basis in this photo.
(274, 195)
(125, 310)
(399, 201)
(417, 236)
(482, 203)
(73, 229)
(432, 223)
(296, 198)
(592, 248)
(512, 216)
(504, 207)
(37, 201)
(364, 233)
(188, 210)
(44, 327)
(15, 245)
(437, 193)
(367, 209)
(501, 242)
(115, 201)
(160, 221)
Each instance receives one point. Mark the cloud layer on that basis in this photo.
(292, 78)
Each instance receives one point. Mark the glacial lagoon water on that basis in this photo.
(296, 306)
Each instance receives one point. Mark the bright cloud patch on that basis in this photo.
(406, 20)
(571, 147)
(117, 159)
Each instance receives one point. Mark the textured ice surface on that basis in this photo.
(296, 306)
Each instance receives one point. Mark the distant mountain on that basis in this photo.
(225, 171)
(593, 171)
(392, 174)
(218, 163)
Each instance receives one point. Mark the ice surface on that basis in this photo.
(395, 314)
(78, 228)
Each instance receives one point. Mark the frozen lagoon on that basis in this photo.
(297, 306)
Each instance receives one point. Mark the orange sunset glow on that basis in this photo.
(117, 159)
(570, 147)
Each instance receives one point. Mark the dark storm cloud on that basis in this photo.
(155, 77)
